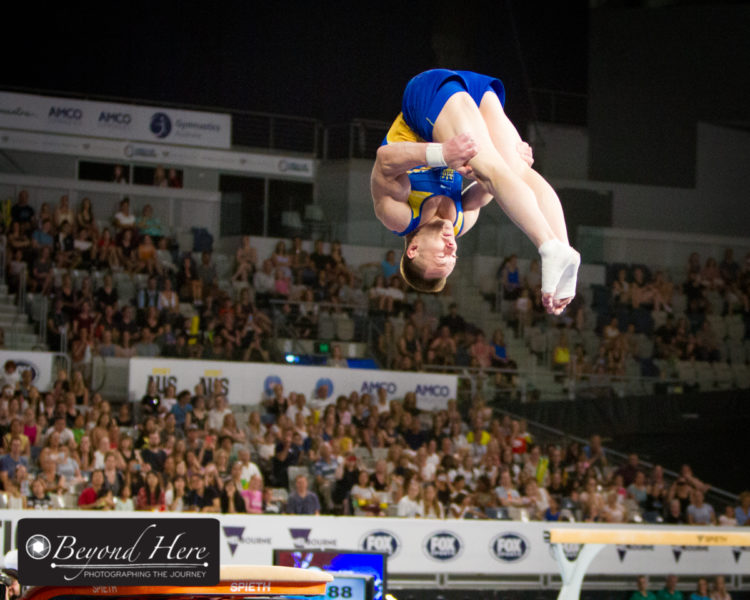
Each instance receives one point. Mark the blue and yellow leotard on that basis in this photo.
(426, 183)
(424, 98)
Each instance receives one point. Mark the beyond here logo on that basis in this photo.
(80, 551)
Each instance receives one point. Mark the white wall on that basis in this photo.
(560, 150)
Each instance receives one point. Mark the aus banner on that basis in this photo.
(247, 383)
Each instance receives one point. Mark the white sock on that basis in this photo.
(566, 288)
(559, 269)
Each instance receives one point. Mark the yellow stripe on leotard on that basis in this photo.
(401, 132)
(459, 224)
(416, 200)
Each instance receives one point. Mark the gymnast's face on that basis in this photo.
(433, 248)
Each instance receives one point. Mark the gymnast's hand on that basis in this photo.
(526, 153)
(459, 150)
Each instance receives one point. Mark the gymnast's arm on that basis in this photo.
(389, 183)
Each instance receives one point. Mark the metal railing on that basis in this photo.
(723, 495)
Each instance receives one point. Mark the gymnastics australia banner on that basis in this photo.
(114, 121)
(247, 383)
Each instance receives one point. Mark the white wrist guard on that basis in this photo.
(434, 156)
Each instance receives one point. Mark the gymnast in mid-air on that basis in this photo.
(452, 127)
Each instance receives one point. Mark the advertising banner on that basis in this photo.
(114, 121)
(41, 365)
(429, 546)
(291, 167)
(246, 383)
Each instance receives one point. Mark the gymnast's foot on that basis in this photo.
(560, 265)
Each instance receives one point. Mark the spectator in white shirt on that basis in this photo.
(217, 413)
(410, 505)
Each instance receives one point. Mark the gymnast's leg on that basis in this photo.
(505, 137)
(460, 114)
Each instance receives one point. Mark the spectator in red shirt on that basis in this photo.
(95, 496)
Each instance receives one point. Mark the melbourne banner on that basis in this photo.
(114, 121)
(428, 546)
(247, 383)
(40, 364)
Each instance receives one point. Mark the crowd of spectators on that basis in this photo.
(703, 317)
(361, 455)
(181, 309)
(717, 590)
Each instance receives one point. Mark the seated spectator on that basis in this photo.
(124, 219)
(151, 495)
(613, 511)
(337, 359)
(670, 591)
(96, 496)
(39, 498)
(410, 505)
(742, 511)
(363, 495)
(700, 512)
(442, 349)
(149, 225)
(10, 462)
(389, 266)
(674, 515)
(281, 260)
(638, 490)
(64, 214)
(642, 593)
(720, 589)
(701, 590)
(18, 241)
(106, 251)
(146, 257)
(430, 506)
(481, 352)
(202, 498)
(509, 278)
(536, 499)
(409, 349)
(302, 501)
(42, 237)
(22, 212)
(246, 258)
(231, 500)
(127, 252)
(85, 218)
(507, 494)
(727, 519)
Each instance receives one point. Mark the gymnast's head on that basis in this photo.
(429, 256)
